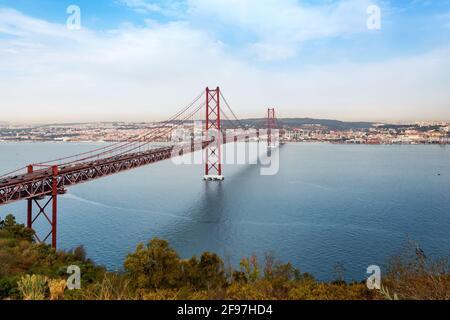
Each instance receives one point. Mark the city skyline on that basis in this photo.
(6, 124)
(137, 60)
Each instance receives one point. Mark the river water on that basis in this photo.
(349, 204)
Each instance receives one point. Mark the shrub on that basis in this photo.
(414, 275)
(8, 287)
(33, 287)
(206, 274)
(154, 266)
(13, 230)
(57, 288)
(111, 287)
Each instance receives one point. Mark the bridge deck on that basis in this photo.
(39, 183)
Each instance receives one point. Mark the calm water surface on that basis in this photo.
(329, 204)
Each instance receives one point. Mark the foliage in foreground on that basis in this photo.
(21, 256)
(156, 272)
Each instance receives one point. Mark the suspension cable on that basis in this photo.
(117, 145)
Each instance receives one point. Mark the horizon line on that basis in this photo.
(41, 123)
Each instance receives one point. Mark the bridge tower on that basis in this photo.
(213, 153)
(270, 125)
(53, 200)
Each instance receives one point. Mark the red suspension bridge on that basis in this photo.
(40, 184)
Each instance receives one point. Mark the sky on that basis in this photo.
(142, 60)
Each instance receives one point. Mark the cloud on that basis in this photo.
(164, 7)
(284, 18)
(277, 27)
(16, 24)
(48, 73)
(142, 6)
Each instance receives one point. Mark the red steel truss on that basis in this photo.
(53, 199)
(213, 165)
(41, 185)
(35, 186)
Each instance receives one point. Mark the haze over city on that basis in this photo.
(141, 60)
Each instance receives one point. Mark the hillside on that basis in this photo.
(299, 122)
(34, 271)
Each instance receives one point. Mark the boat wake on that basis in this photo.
(128, 209)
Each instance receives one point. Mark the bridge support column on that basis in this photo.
(43, 210)
(30, 204)
(270, 126)
(213, 164)
(54, 204)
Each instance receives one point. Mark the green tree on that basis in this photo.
(8, 287)
(206, 274)
(15, 230)
(155, 266)
(250, 268)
